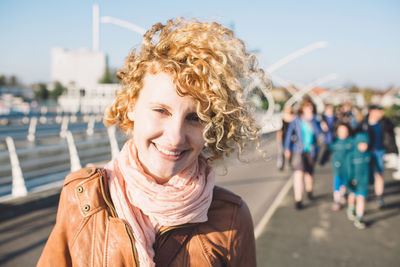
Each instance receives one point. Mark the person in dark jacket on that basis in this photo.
(381, 140)
(358, 179)
(287, 118)
(346, 115)
(329, 124)
(306, 129)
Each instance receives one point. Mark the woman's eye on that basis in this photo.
(160, 110)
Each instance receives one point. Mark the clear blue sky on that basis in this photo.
(363, 36)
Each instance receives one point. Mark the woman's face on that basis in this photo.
(308, 111)
(167, 131)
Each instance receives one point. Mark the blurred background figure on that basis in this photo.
(287, 118)
(381, 140)
(328, 125)
(304, 149)
(346, 115)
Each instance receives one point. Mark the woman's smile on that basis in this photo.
(169, 154)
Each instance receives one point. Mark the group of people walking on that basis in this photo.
(355, 148)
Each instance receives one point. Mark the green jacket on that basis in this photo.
(341, 149)
(359, 169)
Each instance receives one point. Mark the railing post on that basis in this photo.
(64, 126)
(43, 113)
(99, 117)
(74, 118)
(391, 161)
(90, 127)
(32, 129)
(113, 141)
(73, 152)
(18, 182)
(396, 174)
(58, 116)
(25, 120)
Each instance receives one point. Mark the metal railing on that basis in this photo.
(35, 164)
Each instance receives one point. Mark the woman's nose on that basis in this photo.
(175, 132)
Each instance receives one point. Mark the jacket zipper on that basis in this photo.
(109, 204)
(135, 256)
(114, 214)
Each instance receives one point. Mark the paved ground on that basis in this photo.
(317, 236)
(22, 238)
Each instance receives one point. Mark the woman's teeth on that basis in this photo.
(169, 153)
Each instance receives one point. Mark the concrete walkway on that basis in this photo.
(318, 236)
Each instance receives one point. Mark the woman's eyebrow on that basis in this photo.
(160, 104)
(169, 107)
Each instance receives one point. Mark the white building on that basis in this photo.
(80, 71)
(93, 99)
(387, 98)
(82, 68)
(342, 95)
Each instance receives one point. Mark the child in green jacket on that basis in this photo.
(341, 147)
(358, 179)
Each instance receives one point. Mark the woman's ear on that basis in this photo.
(131, 112)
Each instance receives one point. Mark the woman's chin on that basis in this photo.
(164, 174)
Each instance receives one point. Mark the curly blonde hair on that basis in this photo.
(206, 62)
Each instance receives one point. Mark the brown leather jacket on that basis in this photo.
(89, 233)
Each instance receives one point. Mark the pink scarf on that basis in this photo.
(146, 205)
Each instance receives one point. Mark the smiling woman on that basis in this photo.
(156, 203)
(168, 133)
